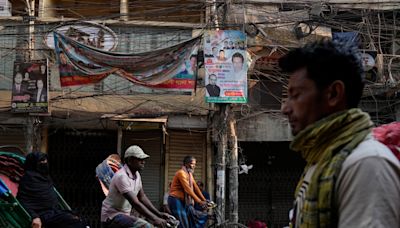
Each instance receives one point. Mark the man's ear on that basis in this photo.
(336, 94)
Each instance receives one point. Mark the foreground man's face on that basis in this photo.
(304, 103)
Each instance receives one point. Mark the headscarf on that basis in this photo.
(32, 162)
(36, 190)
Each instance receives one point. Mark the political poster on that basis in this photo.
(168, 68)
(225, 62)
(29, 93)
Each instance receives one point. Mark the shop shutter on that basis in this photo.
(73, 157)
(183, 143)
(151, 143)
(12, 135)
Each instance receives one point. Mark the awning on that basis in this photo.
(129, 123)
(126, 118)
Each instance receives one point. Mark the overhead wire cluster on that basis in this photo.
(376, 29)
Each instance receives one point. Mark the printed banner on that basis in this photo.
(80, 64)
(225, 62)
(89, 33)
(185, 79)
(29, 87)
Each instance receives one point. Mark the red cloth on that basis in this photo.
(256, 224)
(389, 134)
(11, 185)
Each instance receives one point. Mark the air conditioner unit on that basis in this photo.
(396, 47)
(5, 8)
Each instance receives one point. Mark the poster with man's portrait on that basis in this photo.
(29, 91)
(370, 67)
(225, 61)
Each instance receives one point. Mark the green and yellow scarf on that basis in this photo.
(326, 144)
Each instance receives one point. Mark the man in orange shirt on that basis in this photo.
(184, 193)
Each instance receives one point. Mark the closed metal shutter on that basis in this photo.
(73, 157)
(151, 143)
(13, 135)
(183, 143)
(266, 192)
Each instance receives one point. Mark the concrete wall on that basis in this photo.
(187, 122)
(264, 127)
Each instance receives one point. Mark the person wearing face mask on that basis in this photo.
(37, 195)
(184, 193)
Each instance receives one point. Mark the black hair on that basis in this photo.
(188, 159)
(327, 61)
(238, 55)
(193, 55)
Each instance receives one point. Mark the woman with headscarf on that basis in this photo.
(37, 195)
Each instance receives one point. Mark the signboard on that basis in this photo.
(88, 33)
(30, 87)
(226, 66)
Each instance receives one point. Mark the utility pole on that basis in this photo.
(221, 158)
(226, 123)
(31, 18)
(233, 171)
(124, 9)
(233, 145)
(220, 123)
(32, 134)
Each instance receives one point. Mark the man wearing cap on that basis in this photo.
(125, 192)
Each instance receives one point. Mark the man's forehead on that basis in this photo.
(299, 78)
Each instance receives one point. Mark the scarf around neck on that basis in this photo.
(188, 198)
(326, 144)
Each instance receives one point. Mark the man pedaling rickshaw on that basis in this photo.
(126, 191)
